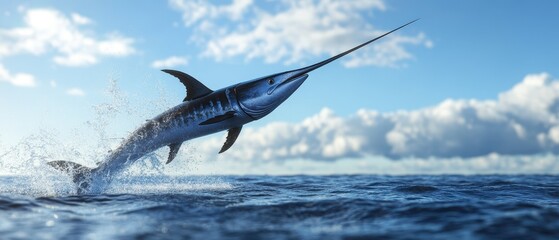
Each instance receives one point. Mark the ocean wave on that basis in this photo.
(301, 207)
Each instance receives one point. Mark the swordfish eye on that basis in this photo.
(271, 81)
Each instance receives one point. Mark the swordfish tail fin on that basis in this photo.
(81, 175)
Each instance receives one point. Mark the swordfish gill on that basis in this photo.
(202, 112)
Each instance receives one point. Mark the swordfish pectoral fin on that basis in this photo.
(173, 150)
(232, 135)
(219, 118)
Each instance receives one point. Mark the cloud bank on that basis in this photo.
(490, 164)
(291, 31)
(521, 121)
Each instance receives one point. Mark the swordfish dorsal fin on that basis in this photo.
(194, 88)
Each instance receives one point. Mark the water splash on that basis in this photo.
(89, 144)
(107, 112)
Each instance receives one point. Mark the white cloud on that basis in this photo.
(17, 79)
(78, 59)
(79, 19)
(169, 62)
(194, 11)
(295, 30)
(75, 92)
(48, 30)
(522, 121)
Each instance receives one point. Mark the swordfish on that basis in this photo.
(202, 112)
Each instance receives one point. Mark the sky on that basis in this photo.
(470, 88)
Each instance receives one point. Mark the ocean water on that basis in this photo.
(285, 207)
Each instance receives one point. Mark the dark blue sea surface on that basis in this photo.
(287, 207)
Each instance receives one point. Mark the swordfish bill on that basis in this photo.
(310, 68)
(202, 112)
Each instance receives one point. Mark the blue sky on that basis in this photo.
(486, 57)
